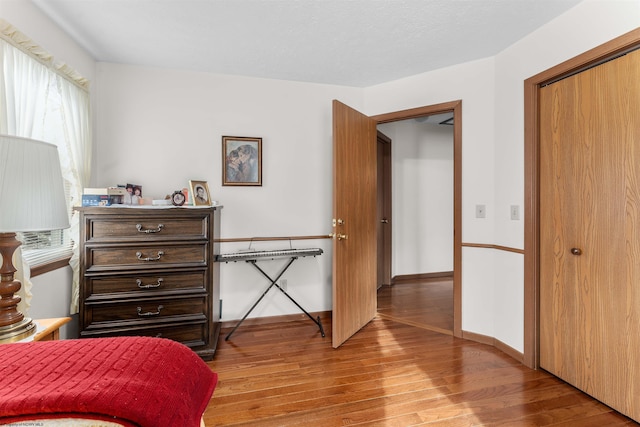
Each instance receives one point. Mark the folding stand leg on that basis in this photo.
(316, 321)
(273, 283)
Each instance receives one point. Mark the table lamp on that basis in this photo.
(32, 199)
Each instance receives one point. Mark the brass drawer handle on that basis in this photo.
(149, 313)
(150, 286)
(139, 255)
(150, 230)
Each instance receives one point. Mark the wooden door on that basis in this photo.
(354, 213)
(590, 231)
(384, 210)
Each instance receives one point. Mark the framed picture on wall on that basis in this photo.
(200, 191)
(241, 161)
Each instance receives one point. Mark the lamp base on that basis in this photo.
(18, 331)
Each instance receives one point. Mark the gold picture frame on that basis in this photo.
(241, 161)
(200, 193)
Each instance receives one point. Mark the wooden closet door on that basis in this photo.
(590, 232)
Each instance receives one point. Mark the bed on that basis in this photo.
(123, 381)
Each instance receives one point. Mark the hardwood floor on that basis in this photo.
(388, 374)
(426, 304)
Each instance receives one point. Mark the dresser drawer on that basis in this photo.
(144, 257)
(148, 311)
(146, 229)
(192, 335)
(137, 285)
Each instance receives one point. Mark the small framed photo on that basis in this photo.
(241, 161)
(200, 192)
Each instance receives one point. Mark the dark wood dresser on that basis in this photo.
(151, 272)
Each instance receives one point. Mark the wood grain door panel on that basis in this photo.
(354, 209)
(384, 211)
(590, 234)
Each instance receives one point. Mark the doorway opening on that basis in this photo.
(445, 294)
(415, 164)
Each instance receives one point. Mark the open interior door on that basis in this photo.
(354, 216)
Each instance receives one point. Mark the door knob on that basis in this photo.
(384, 221)
(576, 251)
(342, 236)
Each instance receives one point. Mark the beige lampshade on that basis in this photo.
(31, 188)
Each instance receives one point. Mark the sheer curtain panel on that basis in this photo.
(48, 102)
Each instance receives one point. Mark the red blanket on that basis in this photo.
(132, 380)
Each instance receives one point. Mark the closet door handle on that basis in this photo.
(576, 251)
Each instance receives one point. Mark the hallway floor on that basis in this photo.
(424, 304)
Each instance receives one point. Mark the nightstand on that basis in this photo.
(47, 329)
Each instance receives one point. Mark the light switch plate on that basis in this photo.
(515, 212)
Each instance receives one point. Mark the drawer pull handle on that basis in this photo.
(150, 230)
(149, 313)
(139, 255)
(150, 286)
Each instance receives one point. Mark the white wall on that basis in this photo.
(161, 128)
(477, 95)
(588, 25)
(422, 197)
(51, 296)
(492, 97)
(27, 18)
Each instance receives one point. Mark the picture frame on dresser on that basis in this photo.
(200, 191)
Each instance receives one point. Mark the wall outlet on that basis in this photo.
(283, 284)
(481, 211)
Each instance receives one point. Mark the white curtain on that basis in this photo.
(75, 112)
(26, 83)
(47, 102)
(19, 77)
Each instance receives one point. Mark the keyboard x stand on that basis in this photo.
(274, 283)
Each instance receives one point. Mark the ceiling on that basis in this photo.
(356, 43)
